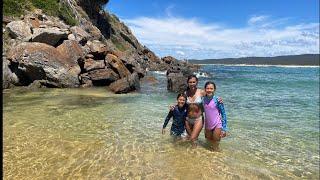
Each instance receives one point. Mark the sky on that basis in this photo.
(212, 29)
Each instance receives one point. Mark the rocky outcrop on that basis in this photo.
(39, 61)
(176, 82)
(43, 51)
(177, 73)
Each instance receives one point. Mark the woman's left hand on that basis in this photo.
(220, 100)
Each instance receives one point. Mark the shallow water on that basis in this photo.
(273, 115)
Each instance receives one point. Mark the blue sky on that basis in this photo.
(222, 28)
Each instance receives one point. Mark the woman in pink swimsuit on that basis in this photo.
(215, 116)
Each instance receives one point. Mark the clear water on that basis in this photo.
(273, 115)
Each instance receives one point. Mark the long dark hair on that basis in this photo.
(183, 95)
(210, 82)
(190, 77)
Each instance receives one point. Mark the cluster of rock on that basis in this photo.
(43, 51)
(177, 73)
(50, 54)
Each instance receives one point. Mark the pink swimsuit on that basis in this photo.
(212, 116)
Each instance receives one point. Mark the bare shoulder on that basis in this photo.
(202, 92)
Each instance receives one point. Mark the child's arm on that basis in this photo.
(188, 127)
(223, 117)
(166, 121)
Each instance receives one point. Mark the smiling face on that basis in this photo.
(210, 89)
(192, 83)
(181, 101)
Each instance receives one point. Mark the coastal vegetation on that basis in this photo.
(56, 8)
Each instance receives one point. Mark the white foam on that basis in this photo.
(160, 72)
(201, 74)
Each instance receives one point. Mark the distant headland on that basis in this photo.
(302, 60)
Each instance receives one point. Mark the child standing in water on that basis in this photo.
(215, 116)
(179, 114)
(194, 117)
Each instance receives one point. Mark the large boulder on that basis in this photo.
(97, 48)
(8, 78)
(32, 20)
(72, 51)
(39, 61)
(176, 82)
(19, 30)
(80, 35)
(49, 36)
(92, 30)
(133, 65)
(102, 77)
(117, 64)
(126, 84)
(91, 64)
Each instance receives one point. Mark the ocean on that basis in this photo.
(272, 112)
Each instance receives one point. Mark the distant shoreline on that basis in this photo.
(267, 65)
(292, 60)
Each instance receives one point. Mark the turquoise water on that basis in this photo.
(273, 115)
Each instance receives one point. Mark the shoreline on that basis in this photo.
(267, 65)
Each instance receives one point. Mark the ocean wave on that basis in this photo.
(201, 74)
(160, 72)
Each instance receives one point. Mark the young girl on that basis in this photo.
(215, 116)
(194, 117)
(179, 114)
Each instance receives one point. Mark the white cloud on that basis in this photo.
(255, 19)
(169, 9)
(261, 37)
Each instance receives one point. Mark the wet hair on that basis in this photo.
(183, 95)
(193, 107)
(210, 82)
(190, 77)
